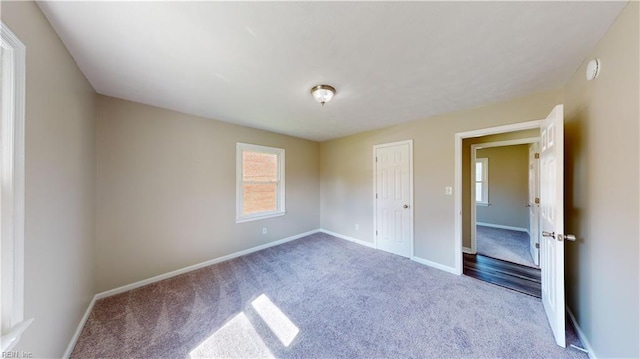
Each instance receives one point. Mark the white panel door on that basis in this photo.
(393, 210)
(534, 206)
(552, 221)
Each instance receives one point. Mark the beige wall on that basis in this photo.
(466, 171)
(166, 191)
(508, 186)
(347, 178)
(60, 185)
(601, 181)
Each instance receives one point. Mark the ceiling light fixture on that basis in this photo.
(323, 93)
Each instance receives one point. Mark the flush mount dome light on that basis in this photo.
(323, 93)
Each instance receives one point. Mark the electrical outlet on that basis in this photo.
(448, 191)
(357, 227)
(264, 230)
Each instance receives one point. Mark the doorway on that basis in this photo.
(393, 197)
(551, 225)
(503, 192)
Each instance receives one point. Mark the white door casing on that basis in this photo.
(534, 208)
(393, 197)
(457, 175)
(552, 221)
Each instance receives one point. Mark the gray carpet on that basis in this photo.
(508, 245)
(320, 297)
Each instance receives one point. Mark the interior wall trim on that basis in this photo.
(413, 258)
(581, 335)
(128, 287)
(500, 226)
(350, 239)
(435, 265)
(457, 190)
(467, 250)
(76, 334)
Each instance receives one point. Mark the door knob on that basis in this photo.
(561, 237)
(567, 237)
(549, 234)
(405, 206)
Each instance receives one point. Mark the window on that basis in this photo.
(482, 181)
(12, 75)
(260, 182)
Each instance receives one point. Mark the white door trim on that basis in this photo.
(477, 146)
(375, 188)
(458, 176)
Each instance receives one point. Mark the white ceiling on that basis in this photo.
(253, 63)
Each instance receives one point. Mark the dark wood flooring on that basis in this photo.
(506, 274)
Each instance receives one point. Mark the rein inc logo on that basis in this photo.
(17, 354)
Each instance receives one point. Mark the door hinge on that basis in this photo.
(376, 233)
(536, 156)
(376, 195)
(538, 245)
(537, 200)
(376, 158)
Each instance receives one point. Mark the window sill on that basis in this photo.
(260, 216)
(10, 339)
(483, 204)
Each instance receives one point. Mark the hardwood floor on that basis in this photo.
(506, 274)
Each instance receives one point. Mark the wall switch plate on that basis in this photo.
(264, 230)
(357, 227)
(448, 191)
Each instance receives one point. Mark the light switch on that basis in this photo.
(448, 191)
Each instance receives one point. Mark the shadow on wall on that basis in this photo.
(575, 177)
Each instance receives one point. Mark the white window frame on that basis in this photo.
(280, 200)
(485, 180)
(12, 192)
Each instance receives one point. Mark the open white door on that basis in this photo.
(393, 198)
(534, 205)
(552, 221)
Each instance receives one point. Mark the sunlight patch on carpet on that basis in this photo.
(236, 339)
(277, 321)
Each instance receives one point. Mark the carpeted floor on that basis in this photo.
(320, 297)
(508, 245)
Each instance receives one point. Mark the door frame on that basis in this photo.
(375, 190)
(534, 225)
(477, 146)
(458, 176)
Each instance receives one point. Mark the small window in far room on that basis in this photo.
(482, 181)
(260, 182)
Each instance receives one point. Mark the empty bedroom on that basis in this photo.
(320, 179)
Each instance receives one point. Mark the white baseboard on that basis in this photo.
(371, 245)
(174, 273)
(76, 335)
(350, 239)
(467, 250)
(582, 336)
(435, 265)
(491, 225)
